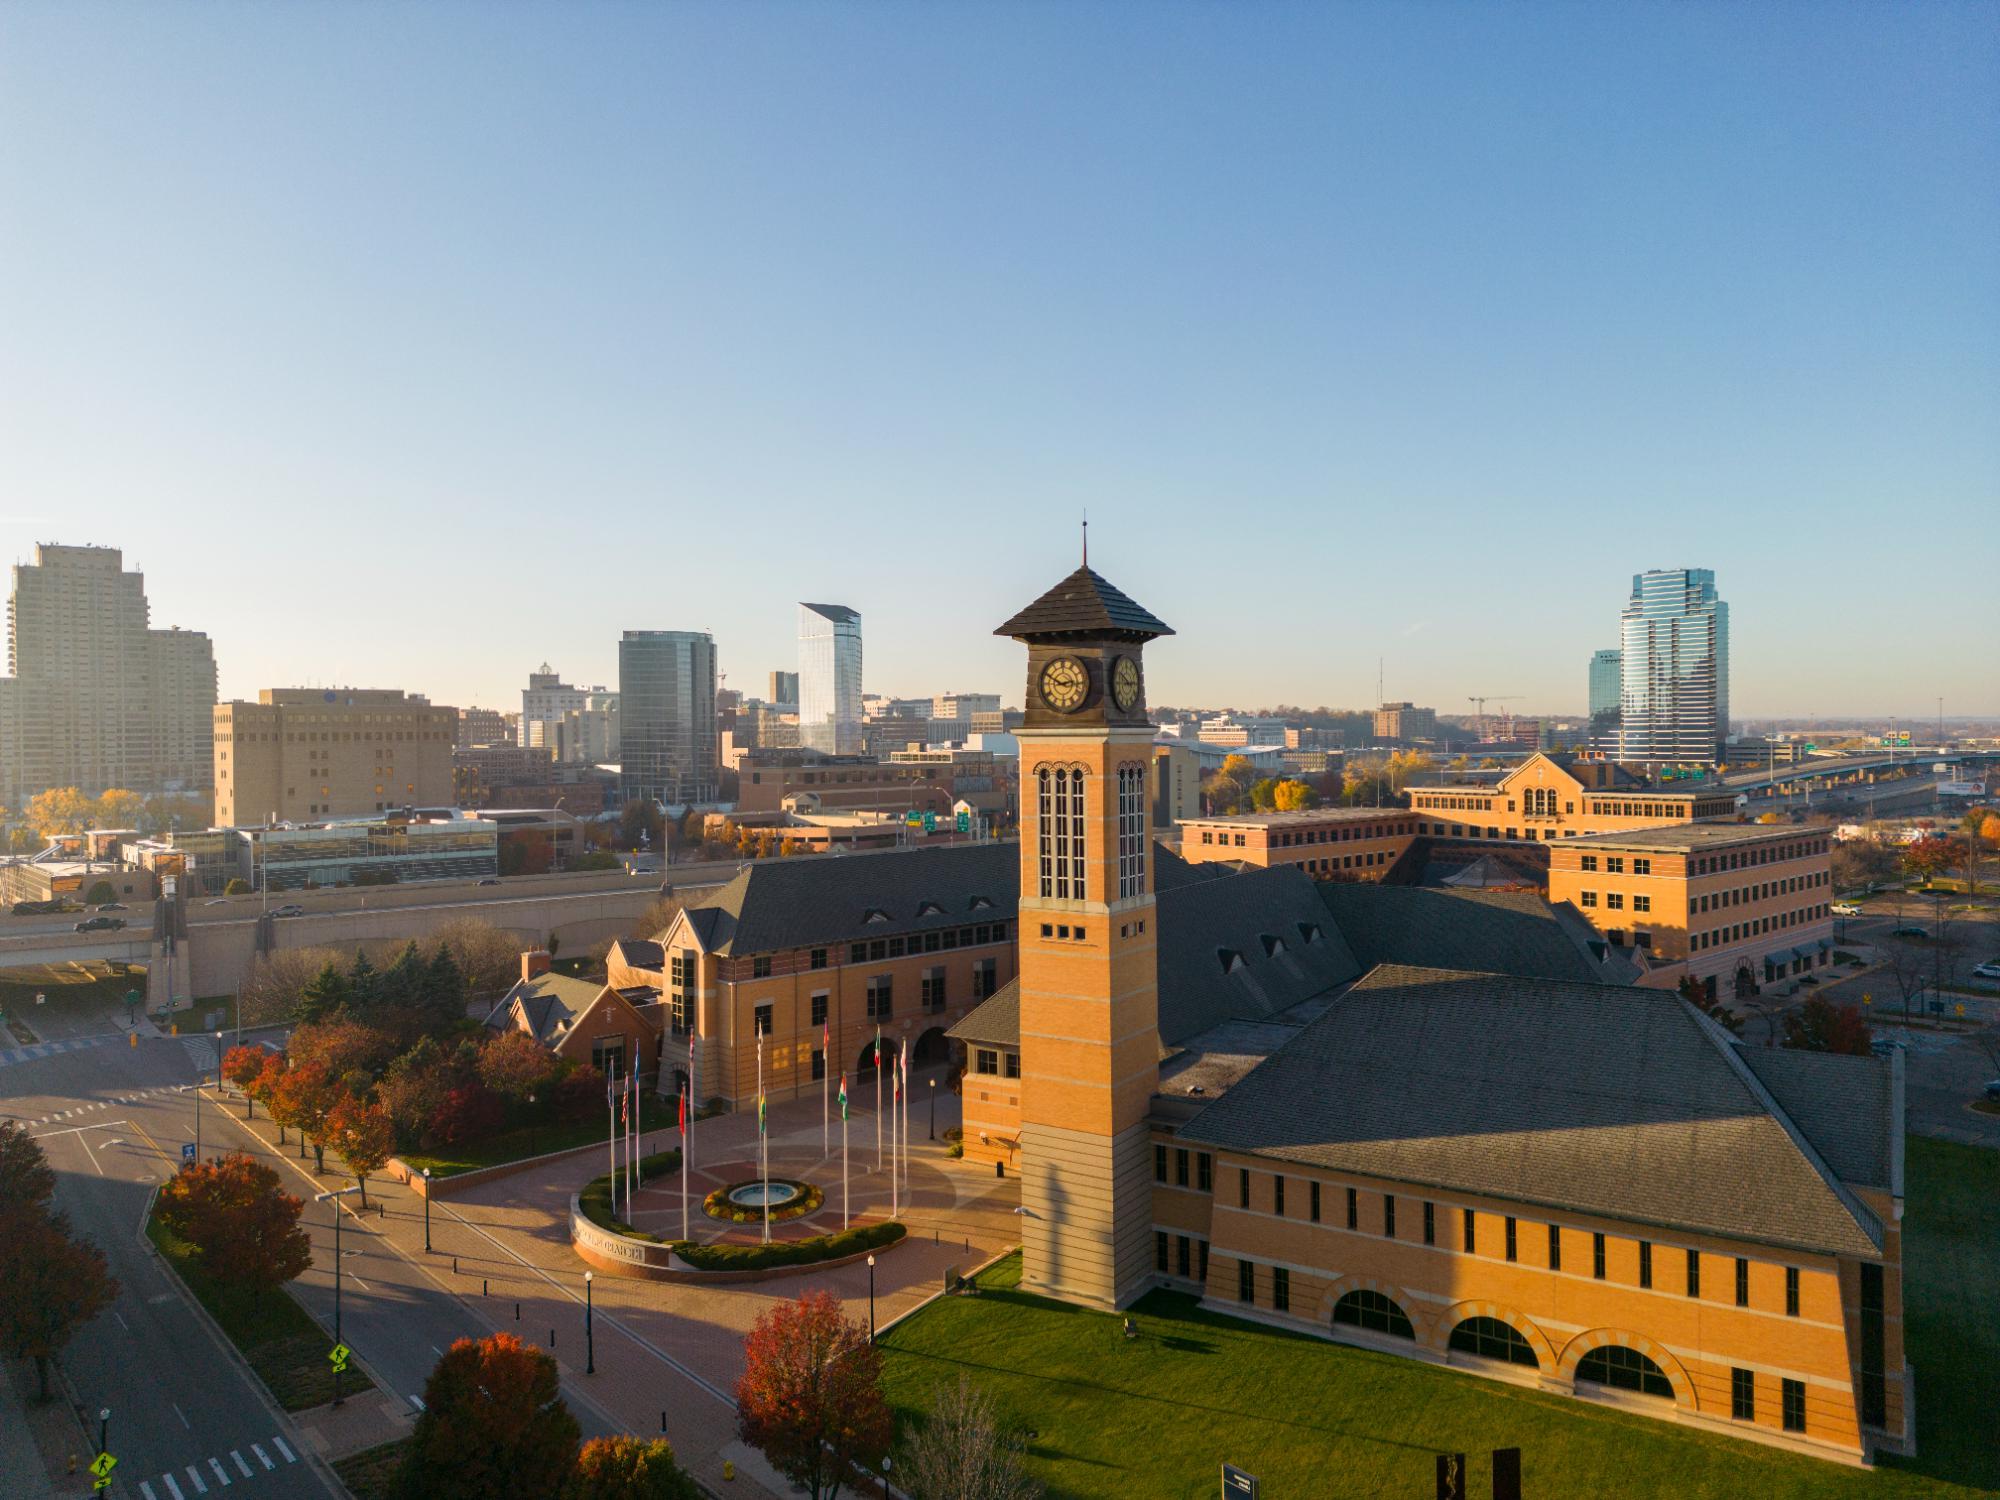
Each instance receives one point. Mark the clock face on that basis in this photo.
(1125, 683)
(1065, 684)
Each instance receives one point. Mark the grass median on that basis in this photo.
(520, 1144)
(1158, 1414)
(278, 1338)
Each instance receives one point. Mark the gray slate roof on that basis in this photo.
(819, 901)
(1619, 1102)
(1502, 932)
(1841, 1103)
(547, 1002)
(1246, 947)
(995, 1021)
(1083, 604)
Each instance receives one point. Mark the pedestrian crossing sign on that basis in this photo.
(101, 1466)
(338, 1357)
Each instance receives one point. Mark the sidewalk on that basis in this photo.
(37, 1441)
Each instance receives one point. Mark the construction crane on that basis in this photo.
(1479, 705)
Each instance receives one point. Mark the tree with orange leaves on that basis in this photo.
(363, 1135)
(241, 1066)
(811, 1394)
(493, 1423)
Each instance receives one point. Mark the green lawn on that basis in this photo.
(369, 1473)
(509, 1145)
(284, 1346)
(1159, 1415)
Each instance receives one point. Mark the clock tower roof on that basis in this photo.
(1084, 607)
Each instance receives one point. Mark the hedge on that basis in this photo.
(595, 1199)
(795, 1253)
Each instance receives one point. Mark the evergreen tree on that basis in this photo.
(443, 1002)
(324, 994)
(364, 984)
(401, 986)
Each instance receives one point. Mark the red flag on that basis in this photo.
(684, 1111)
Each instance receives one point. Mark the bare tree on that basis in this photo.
(657, 918)
(489, 958)
(277, 982)
(961, 1451)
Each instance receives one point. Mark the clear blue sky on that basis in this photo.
(409, 344)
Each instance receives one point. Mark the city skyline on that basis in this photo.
(1435, 273)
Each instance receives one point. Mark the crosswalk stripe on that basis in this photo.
(262, 1457)
(146, 1489)
(216, 1464)
(237, 1458)
(172, 1488)
(194, 1478)
(290, 1457)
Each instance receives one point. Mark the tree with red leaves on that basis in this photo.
(241, 1066)
(469, 1113)
(811, 1394)
(243, 1224)
(579, 1094)
(362, 1135)
(343, 1046)
(629, 1468)
(515, 1065)
(1821, 1026)
(493, 1423)
(305, 1096)
(50, 1286)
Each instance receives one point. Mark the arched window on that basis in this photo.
(1624, 1369)
(1131, 831)
(1375, 1312)
(1489, 1338)
(1059, 833)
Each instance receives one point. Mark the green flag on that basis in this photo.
(760, 1114)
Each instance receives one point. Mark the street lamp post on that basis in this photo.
(336, 1195)
(871, 1299)
(427, 1210)
(589, 1333)
(933, 1109)
(103, 1428)
(885, 1477)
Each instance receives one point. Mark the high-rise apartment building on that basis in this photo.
(544, 701)
(666, 715)
(1674, 699)
(306, 753)
(785, 688)
(830, 678)
(1405, 721)
(95, 698)
(1607, 681)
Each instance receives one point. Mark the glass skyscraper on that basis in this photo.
(1606, 684)
(1674, 703)
(830, 678)
(666, 715)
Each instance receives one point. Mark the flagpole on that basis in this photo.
(763, 1142)
(611, 1138)
(825, 1082)
(878, 1098)
(843, 1150)
(895, 1178)
(632, 1156)
(687, 1119)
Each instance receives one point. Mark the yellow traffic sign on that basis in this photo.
(337, 1357)
(102, 1465)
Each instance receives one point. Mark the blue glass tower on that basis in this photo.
(1674, 702)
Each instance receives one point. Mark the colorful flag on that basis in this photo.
(843, 1096)
(760, 1114)
(684, 1111)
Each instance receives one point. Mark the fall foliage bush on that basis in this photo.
(244, 1226)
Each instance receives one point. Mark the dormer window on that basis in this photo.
(929, 909)
(1309, 933)
(980, 903)
(876, 914)
(1230, 959)
(1273, 945)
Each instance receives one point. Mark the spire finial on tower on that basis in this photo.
(1086, 536)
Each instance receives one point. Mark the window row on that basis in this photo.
(1744, 895)
(945, 940)
(1182, 1159)
(1736, 932)
(1180, 1255)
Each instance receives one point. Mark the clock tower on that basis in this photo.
(1089, 973)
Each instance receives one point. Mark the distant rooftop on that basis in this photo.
(1688, 837)
(1296, 819)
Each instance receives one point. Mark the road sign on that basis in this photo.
(913, 818)
(187, 1153)
(101, 1466)
(965, 822)
(1236, 1485)
(337, 1357)
(930, 822)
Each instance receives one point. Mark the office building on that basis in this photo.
(784, 689)
(307, 754)
(546, 702)
(1328, 843)
(830, 679)
(483, 726)
(1607, 686)
(367, 851)
(666, 715)
(1405, 722)
(95, 698)
(1552, 796)
(964, 705)
(1674, 670)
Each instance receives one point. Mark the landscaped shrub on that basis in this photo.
(717, 1205)
(470, 1113)
(796, 1253)
(595, 1199)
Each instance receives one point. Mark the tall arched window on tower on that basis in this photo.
(1059, 833)
(1131, 832)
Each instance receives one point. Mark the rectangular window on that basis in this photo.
(1642, 866)
(763, 1020)
(1597, 1256)
(1694, 1273)
(1246, 1281)
(1160, 1251)
(1242, 1187)
(1510, 1237)
(1281, 1289)
(1312, 1195)
(931, 988)
(1204, 1171)
(1201, 1259)
(1614, 864)
(1182, 1259)
(1353, 1209)
(1586, 862)
(1159, 1163)
(1430, 1224)
(857, 953)
(1555, 1248)
(1614, 901)
(1181, 1168)
(1131, 831)
(819, 1064)
(986, 1060)
(1742, 1282)
(985, 978)
(1874, 1391)
(881, 996)
(1589, 898)
(1646, 1263)
(818, 960)
(1791, 1291)
(1793, 1393)
(1278, 1194)
(1012, 1062)
(819, 1008)
(1389, 1216)
(1466, 1231)
(1642, 903)
(1742, 1396)
(760, 966)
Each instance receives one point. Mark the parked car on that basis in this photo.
(489, 880)
(1910, 932)
(1844, 909)
(289, 910)
(1993, 1090)
(100, 924)
(111, 906)
(1987, 971)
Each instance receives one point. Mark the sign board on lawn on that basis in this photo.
(1237, 1485)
